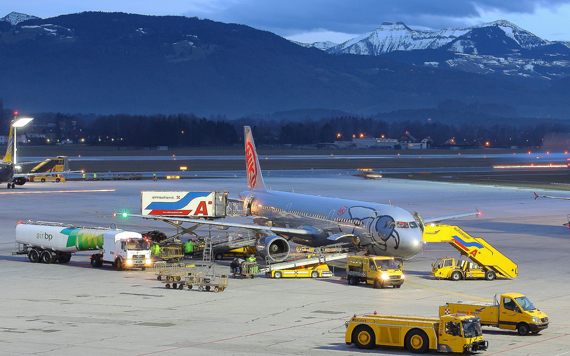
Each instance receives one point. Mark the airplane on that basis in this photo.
(7, 167)
(536, 196)
(283, 217)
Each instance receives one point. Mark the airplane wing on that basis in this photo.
(283, 230)
(441, 218)
(548, 196)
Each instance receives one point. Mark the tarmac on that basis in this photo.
(74, 309)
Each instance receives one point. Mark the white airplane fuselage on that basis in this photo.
(381, 229)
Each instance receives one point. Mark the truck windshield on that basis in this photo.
(386, 264)
(524, 303)
(137, 244)
(472, 328)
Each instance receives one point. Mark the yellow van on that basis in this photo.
(376, 270)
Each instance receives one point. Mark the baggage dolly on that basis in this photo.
(204, 283)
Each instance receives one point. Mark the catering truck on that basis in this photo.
(448, 333)
(513, 311)
(48, 242)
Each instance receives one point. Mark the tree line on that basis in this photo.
(187, 130)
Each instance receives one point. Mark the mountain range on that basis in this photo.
(500, 49)
(96, 62)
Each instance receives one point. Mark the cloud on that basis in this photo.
(359, 16)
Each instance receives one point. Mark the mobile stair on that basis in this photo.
(476, 249)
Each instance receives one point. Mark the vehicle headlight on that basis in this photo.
(148, 262)
(403, 276)
(535, 319)
(385, 276)
(129, 262)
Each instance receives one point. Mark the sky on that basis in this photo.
(329, 20)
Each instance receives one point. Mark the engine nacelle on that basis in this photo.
(20, 180)
(273, 248)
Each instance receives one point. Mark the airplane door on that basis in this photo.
(247, 205)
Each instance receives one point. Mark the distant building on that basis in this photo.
(405, 142)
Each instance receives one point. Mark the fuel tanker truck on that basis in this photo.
(48, 242)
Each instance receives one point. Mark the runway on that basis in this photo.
(74, 309)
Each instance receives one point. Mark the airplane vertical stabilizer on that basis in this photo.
(10, 147)
(254, 177)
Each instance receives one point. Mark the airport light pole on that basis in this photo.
(21, 122)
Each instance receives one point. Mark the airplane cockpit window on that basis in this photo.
(389, 225)
(402, 224)
(413, 225)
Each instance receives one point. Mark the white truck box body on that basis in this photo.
(184, 203)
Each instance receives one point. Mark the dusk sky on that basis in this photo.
(333, 20)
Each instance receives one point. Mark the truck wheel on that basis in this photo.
(167, 286)
(216, 289)
(119, 264)
(34, 255)
(455, 276)
(490, 275)
(64, 257)
(278, 274)
(57, 180)
(96, 261)
(47, 256)
(378, 284)
(417, 341)
(159, 278)
(363, 337)
(43, 180)
(315, 274)
(219, 256)
(523, 329)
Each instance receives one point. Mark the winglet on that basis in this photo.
(535, 195)
(254, 177)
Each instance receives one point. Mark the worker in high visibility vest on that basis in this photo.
(253, 263)
(155, 250)
(188, 249)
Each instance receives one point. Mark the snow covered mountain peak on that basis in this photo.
(396, 36)
(15, 18)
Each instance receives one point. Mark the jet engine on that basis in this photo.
(273, 248)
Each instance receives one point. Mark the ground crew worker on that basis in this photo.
(188, 249)
(155, 249)
(253, 263)
(154, 177)
(84, 176)
(94, 176)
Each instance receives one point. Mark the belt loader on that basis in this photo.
(448, 333)
(487, 262)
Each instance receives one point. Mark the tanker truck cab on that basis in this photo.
(376, 270)
(125, 250)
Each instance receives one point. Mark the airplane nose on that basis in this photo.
(410, 243)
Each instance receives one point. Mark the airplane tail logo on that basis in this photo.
(10, 148)
(254, 177)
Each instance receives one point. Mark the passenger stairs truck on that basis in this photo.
(49, 242)
(491, 263)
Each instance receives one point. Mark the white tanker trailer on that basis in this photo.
(48, 242)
